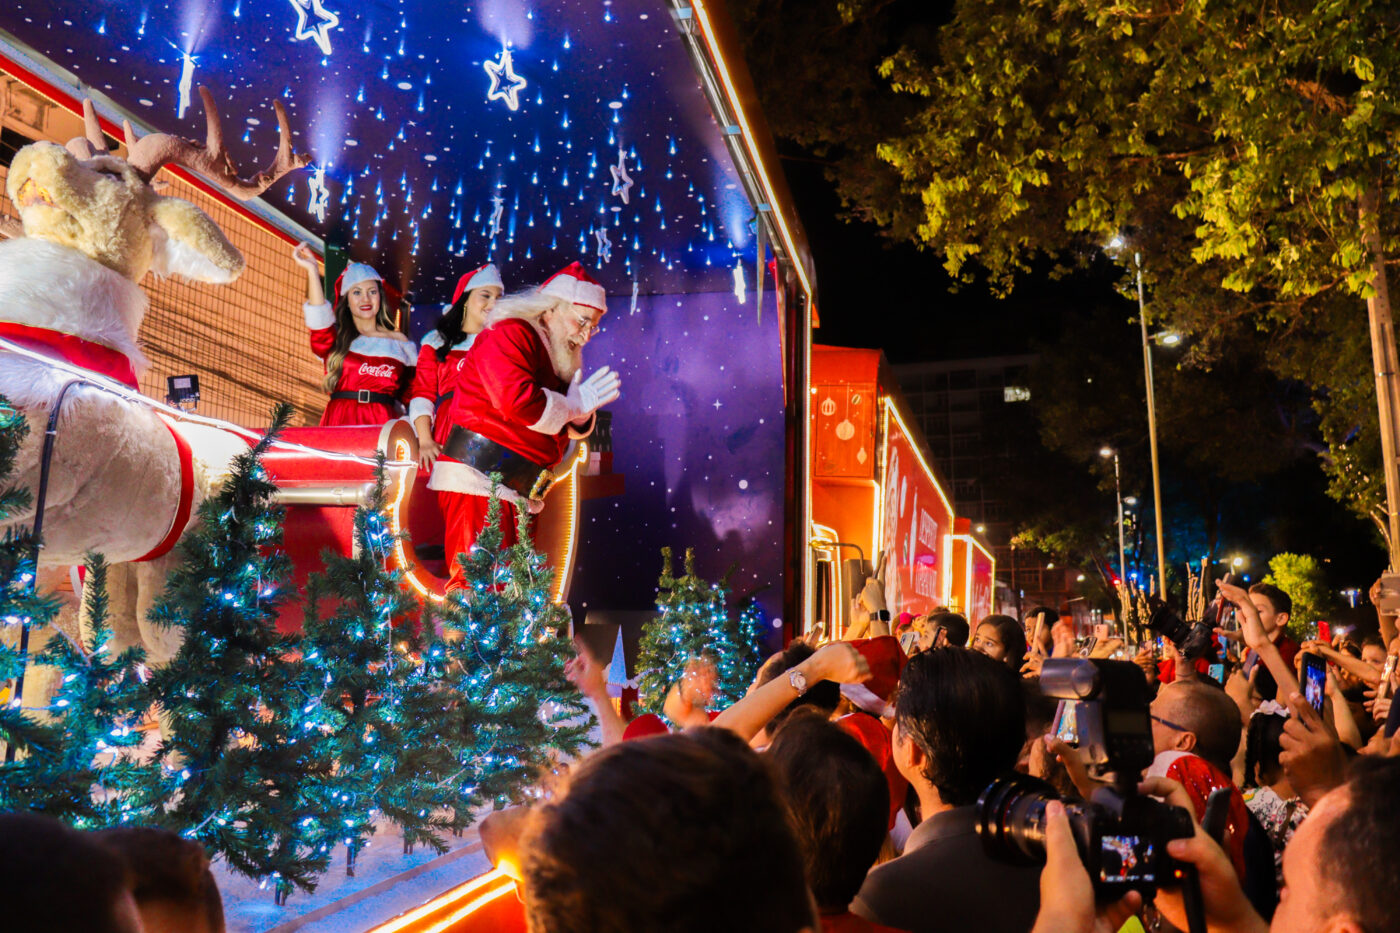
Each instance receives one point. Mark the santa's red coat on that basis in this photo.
(506, 390)
(376, 364)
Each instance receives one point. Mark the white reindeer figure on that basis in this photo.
(123, 480)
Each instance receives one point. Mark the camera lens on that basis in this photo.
(1011, 819)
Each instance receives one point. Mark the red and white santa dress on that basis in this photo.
(433, 378)
(377, 372)
(512, 413)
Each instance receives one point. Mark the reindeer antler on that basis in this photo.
(93, 143)
(149, 153)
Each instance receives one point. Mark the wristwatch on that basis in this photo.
(798, 681)
(882, 615)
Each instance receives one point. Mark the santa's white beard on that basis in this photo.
(567, 359)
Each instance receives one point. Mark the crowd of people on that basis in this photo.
(841, 793)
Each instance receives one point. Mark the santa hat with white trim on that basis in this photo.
(487, 276)
(573, 284)
(886, 661)
(357, 272)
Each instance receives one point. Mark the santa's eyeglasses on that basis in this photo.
(586, 327)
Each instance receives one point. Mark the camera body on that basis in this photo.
(1193, 640)
(1121, 835)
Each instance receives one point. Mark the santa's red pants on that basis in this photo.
(463, 518)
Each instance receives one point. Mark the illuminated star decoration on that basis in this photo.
(187, 63)
(741, 288)
(496, 213)
(604, 245)
(320, 194)
(622, 182)
(503, 67)
(320, 31)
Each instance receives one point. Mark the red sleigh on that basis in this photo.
(321, 493)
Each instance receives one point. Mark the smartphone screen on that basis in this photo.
(1314, 680)
(1067, 722)
(1383, 688)
(1217, 671)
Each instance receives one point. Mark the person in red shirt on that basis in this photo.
(1196, 730)
(871, 700)
(519, 398)
(369, 363)
(440, 352)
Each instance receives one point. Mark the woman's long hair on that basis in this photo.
(449, 326)
(346, 332)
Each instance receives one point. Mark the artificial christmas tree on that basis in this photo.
(381, 701)
(693, 623)
(246, 752)
(502, 653)
(23, 611)
(91, 773)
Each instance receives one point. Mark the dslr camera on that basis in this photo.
(1193, 640)
(1121, 835)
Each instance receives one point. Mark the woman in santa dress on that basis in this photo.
(369, 364)
(440, 352)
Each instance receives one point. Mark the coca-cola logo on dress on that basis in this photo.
(385, 371)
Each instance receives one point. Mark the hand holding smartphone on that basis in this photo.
(1314, 679)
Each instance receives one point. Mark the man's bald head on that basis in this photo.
(1208, 713)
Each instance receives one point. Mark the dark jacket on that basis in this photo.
(945, 883)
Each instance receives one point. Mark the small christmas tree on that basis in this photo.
(693, 622)
(385, 740)
(23, 611)
(93, 775)
(504, 646)
(246, 755)
(751, 636)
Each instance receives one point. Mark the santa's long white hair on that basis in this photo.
(529, 305)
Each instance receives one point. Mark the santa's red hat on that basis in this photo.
(487, 276)
(573, 284)
(886, 661)
(645, 725)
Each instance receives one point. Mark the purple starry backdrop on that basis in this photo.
(698, 434)
(426, 176)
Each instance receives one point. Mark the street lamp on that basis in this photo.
(1118, 497)
(1116, 244)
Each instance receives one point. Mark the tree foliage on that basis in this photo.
(1233, 145)
(1301, 576)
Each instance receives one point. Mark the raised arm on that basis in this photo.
(837, 661)
(315, 291)
(587, 675)
(1257, 639)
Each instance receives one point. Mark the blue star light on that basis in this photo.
(514, 84)
(320, 32)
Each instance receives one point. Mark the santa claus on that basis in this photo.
(519, 398)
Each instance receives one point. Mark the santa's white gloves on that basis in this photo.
(588, 395)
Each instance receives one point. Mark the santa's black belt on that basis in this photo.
(519, 474)
(365, 397)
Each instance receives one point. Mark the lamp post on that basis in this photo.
(1118, 497)
(1116, 244)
